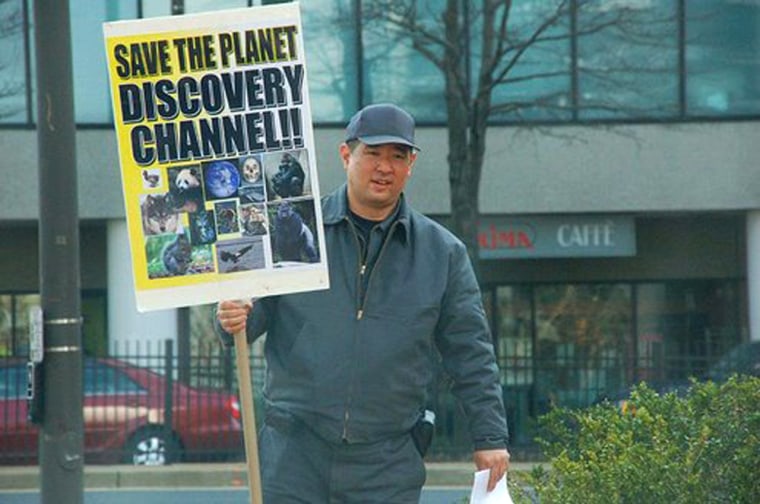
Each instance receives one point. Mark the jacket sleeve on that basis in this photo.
(464, 340)
(255, 326)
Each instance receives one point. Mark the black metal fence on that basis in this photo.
(146, 405)
(141, 406)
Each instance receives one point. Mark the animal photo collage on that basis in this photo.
(229, 215)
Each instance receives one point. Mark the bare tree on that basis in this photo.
(493, 56)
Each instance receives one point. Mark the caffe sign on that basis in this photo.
(557, 236)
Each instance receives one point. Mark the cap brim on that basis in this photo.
(387, 139)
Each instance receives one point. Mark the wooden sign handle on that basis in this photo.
(249, 417)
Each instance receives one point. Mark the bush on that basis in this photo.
(703, 447)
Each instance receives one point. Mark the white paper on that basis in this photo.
(481, 495)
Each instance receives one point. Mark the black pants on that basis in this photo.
(297, 466)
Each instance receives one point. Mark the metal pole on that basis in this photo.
(61, 433)
(183, 345)
(169, 457)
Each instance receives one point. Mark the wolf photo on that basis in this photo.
(158, 214)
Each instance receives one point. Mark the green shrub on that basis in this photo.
(704, 447)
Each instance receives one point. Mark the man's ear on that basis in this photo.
(412, 159)
(345, 152)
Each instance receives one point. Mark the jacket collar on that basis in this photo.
(335, 210)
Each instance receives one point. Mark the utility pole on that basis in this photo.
(62, 425)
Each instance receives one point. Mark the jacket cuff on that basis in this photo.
(490, 444)
(227, 339)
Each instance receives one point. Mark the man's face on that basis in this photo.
(376, 176)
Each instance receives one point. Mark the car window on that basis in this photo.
(742, 359)
(101, 379)
(12, 382)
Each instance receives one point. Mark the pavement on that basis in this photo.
(439, 474)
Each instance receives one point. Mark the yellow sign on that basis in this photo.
(216, 150)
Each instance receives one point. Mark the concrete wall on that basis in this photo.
(19, 257)
(644, 168)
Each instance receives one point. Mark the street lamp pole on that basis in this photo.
(62, 424)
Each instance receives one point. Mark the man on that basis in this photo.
(348, 368)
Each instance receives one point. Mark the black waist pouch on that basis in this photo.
(422, 432)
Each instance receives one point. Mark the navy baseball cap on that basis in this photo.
(383, 123)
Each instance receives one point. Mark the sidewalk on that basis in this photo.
(456, 474)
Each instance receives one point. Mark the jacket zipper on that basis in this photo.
(377, 261)
(362, 302)
(362, 270)
(360, 312)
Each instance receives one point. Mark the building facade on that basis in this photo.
(618, 243)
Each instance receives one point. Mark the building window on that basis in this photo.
(571, 345)
(192, 6)
(514, 351)
(628, 59)
(13, 91)
(395, 71)
(515, 328)
(584, 342)
(92, 98)
(538, 86)
(723, 69)
(14, 323)
(683, 327)
(634, 67)
(330, 42)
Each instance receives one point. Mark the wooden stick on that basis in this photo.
(249, 417)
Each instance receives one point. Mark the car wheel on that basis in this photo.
(151, 446)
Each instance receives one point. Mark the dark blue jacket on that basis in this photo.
(356, 365)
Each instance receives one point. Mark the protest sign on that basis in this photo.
(217, 157)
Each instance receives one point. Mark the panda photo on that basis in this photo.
(185, 189)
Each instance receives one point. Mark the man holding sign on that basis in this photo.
(348, 368)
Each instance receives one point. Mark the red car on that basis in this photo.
(124, 420)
